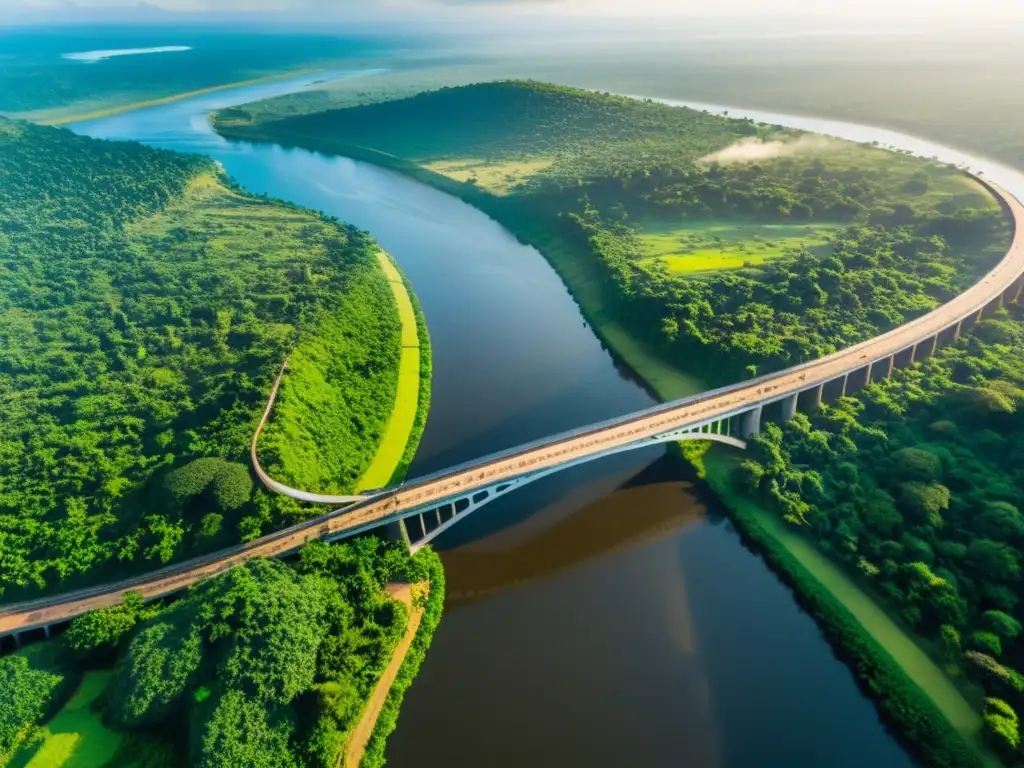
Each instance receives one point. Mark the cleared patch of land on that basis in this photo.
(358, 738)
(495, 176)
(403, 415)
(715, 245)
(75, 737)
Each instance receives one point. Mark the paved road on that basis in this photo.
(594, 440)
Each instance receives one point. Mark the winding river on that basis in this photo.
(609, 616)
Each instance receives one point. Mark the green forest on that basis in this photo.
(915, 485)
(269, 665)
(585, 176)
(145, 308)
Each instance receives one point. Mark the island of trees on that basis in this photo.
(777, 250)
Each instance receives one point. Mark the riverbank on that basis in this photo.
(582, 276)
(386, 718)
(882, 655)
(407, 594)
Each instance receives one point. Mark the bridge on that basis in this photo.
(432, 504)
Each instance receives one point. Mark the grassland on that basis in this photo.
(496, 177)
(75, 737)
(400, 430)
(715, 245)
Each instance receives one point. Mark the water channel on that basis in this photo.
(609, 616)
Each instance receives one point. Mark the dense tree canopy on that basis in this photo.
(145, 308)
(269, 664)
(916, 484)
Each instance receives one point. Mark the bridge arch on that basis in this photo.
(457, 508)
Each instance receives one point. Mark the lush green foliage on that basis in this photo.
(522, 119)
(35, 682)
(915, 484)
(912, 233)
(144, 312)
(427, 569)
(95, 636)
(26, 693)
(265, 665)
(914, 717)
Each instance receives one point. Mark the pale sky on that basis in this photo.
(886, 14)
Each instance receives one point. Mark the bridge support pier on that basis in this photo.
(904, 358)
(817, 395)
(46, 631)
(789, 407)
(396, 531)
(858, 379)
(926, 349)
(949, 335)
(846, 379)
(991, 308)
(750, 423)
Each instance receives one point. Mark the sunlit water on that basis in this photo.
(608, 616)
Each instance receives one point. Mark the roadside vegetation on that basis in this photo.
(145, 308)
(268, 665)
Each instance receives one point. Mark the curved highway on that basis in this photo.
(271, 483)
(1004, 281)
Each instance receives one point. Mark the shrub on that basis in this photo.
(1001, 727)
(228, 484)
(987, 642)
(1001, 624)
(96, 635)
(26, 697)
(916, 464)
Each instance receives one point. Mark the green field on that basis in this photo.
(497, 177)
(400, 426)
(75, 737)
(714, 245)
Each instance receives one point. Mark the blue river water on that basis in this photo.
(609, 616)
